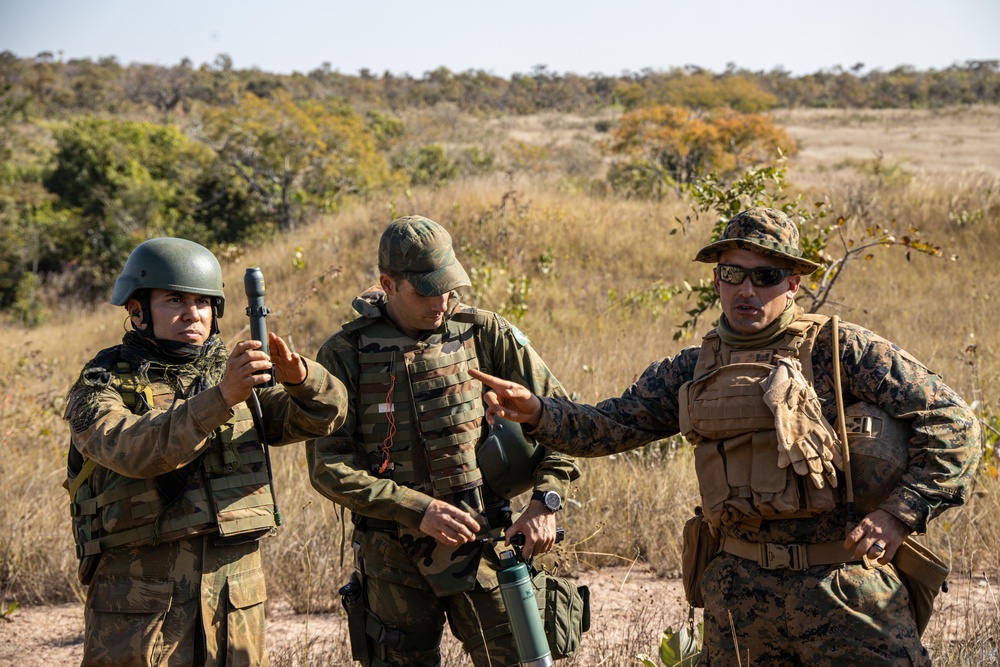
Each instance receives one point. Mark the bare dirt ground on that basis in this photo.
(630, 608)
(627, 605)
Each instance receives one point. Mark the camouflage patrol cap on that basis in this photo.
(421, 250)
(766, 231)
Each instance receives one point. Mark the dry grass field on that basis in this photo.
(938, 172)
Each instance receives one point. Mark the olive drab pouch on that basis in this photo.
(565, 612)
(352, 597)
(700, 546)
(924, 574)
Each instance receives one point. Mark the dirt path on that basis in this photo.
(629, 605)
(630, 609)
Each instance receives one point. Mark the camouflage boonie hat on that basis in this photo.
(421, 250)
(762, 230)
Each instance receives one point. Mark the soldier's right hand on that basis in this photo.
(509, 400)
(448, 524)
(239, 378)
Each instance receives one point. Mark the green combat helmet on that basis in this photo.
(507, 459)
(171, 264)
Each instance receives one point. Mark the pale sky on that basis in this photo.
(513, 36)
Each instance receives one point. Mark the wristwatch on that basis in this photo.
(550, 499)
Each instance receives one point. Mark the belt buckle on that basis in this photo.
(783, 556)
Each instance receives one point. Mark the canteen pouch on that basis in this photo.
(700, 546)
(565, 612)
(924, 574)
(352, 596)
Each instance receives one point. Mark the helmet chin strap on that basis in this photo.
(214, 329)
(147, 316)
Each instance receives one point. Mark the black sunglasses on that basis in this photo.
(763, 276)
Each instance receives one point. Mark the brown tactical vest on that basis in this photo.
(226, 490)
(723, 414)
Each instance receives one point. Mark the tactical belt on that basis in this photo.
(771, 556)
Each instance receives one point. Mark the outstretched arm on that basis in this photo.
(509, 400)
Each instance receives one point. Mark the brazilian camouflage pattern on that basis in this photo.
(388, 558)
(944, 452)
(150, 606)
(766, 231)
(421, 416)
(147, 599)
(398, 595)
(421, 250)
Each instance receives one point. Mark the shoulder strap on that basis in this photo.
(848, 481)
(81, 477)
(135, 395)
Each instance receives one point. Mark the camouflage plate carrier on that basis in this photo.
(226, 490)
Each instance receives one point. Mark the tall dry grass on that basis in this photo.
(575, 250)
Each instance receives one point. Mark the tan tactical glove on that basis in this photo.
(805, 439)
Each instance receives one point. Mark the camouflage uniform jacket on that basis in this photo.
(943, 453)
(337, 462)
(169, 437)
(192, 596)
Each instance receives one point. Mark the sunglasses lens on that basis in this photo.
(759, 277)
(732, 275)
(766, 277)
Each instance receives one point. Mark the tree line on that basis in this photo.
(45, 85)
(95, 157)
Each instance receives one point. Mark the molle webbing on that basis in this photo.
(734, 404)
(421, 394)
(145, 512)
(723, 413)
(228, 490)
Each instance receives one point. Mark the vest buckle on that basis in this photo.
(782, 556)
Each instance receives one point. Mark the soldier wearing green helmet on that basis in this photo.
(415, 465)
(803, 570)
(168, 480)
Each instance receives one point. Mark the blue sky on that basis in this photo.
(513, 36)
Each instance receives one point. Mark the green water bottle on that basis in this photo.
(522, 612)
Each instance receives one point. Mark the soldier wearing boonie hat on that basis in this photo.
(758, 400)
(765, 231)
(407, 462)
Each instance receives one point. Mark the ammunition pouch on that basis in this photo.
(352, 597)
(924, 574)
(700, 546)
(565, 612)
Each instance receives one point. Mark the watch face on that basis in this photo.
(552, 501)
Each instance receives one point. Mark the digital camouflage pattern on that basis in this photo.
(825, 616)
(153, 599)
(943, 455)
(766, 231)
(340, 468)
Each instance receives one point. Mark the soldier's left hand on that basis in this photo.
(288, 366)
(539, 527)
(879, 535)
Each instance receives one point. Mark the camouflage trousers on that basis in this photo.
(400, 598)
(826, 616)
(188, 602)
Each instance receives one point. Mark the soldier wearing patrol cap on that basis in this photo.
(797, 579)
(409, 464)
(168, 480)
